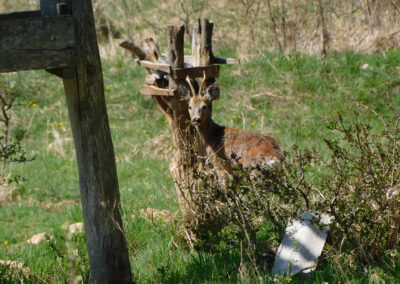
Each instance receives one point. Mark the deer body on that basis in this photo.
(248, 148)
(251, 149)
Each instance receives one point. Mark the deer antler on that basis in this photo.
(190, 85)
(202, 82)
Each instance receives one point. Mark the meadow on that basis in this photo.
(290, 96)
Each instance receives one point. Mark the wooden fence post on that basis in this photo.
(106, 243)
(61, 38)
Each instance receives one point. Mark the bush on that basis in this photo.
(358, 186)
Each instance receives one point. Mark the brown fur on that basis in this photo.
(251, 149)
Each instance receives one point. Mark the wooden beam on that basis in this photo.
(133, 48)
(215, 60)
(211, 71)
(223, 60)
(63, 73)
(181, 73)
(20, 15)
(37, 43)
(155, 66)
(155, 91)
(101, 204)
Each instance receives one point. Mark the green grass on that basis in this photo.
(292, 98)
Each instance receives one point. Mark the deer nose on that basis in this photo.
(196, 120)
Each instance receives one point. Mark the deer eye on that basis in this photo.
(190, 107)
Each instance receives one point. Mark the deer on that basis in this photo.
(231, 145)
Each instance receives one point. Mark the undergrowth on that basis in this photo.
(291, 97)
(358, 186)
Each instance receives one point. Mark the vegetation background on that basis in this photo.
(303, 62)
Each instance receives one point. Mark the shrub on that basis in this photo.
(358, 186)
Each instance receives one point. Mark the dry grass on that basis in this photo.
(60, 141)
(6, 193)
(291, 25)
(252, 25)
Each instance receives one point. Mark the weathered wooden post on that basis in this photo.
(183, 161)
(61, 38)
(178, 67)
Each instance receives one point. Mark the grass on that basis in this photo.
(291, 97)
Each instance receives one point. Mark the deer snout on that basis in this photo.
(196, 120)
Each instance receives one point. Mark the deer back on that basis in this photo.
(250, 148)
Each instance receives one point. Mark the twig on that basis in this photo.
(126, 10)
(325, 34)
(272, 18)
(395, 6)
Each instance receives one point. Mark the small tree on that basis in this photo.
(10, 150)
(359, 186)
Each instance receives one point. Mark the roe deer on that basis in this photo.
(248, 148)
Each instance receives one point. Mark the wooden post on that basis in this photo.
(107, 248)
(67, 47)
(182, 131)
(185, 160)
(190, 152)
(48, 8)
(202, 43)
(175, 58)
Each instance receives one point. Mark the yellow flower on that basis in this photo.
(34, 105)
(54, 123)
(165, 121)
(30, 102)
(253, 123)
(108, 88)
(234, 116)
(60, 124)
(6, 242)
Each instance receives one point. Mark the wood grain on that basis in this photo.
(107, 248)
(20, 15)
(155, 91)
(37, 43)
(197, 72)
(155, 66)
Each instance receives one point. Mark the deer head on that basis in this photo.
(200, 103)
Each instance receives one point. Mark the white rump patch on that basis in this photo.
(269, 163)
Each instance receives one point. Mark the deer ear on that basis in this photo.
(212, 92)
(184, 92)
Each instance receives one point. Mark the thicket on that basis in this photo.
(358, 186)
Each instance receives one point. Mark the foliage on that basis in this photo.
(359, 186)
(289, 97)
(10, 151)
(13, 152)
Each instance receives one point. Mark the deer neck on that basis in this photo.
(211, 134)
